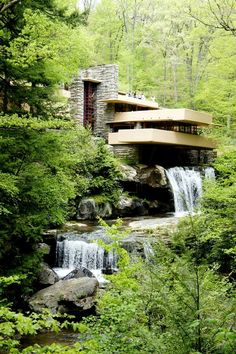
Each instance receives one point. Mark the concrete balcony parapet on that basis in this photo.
(159, 136)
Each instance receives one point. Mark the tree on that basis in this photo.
(106, 27)
(169, 305)
(39, 51)
(161, 51)
(39, 146)
(221, 15)
(217, 94)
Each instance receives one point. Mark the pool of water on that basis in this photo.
(64, 337)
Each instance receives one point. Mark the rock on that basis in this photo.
(73, 225)
(109, 271)
(50, 233)
(128, 173)
(44, 248)
(128, 206)
(47, 276)
(89, 209)
(104, 210)
(79, 273)
(71, 296)
(134, 245)
(50, 237)
(154, 177)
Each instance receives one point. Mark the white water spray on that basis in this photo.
(74, 254)
(186, 185)
(209, 173)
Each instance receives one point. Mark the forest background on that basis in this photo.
(181, 52)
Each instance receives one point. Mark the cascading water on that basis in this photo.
(186, 185)
(74, 254)
(209, 173)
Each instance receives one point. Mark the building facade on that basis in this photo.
(138, 129)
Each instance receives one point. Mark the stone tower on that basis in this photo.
(88, 90)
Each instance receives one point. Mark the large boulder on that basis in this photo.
(89, 209)
(128, 173)
(130, 206)
(86, 209)
(154, 176)
(72, 296)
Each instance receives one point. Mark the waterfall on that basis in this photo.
(209, 173)
(186, 185)
(148, 250)
(71, 254)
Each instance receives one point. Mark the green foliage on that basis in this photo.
(175, 51)
(14, 325)
(40, 50)
(188, 306)
(116, 235)
(42, 171)
(167, 306)
(217, 95)
(101, 170)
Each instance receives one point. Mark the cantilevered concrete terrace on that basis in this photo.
(163, 126)
(131, 101)
(177, 115)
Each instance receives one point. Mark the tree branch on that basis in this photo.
(10, 4)
(221, 17)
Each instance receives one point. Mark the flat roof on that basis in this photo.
(132, 101)
(165, 115)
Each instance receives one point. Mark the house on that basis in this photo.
(138, 129)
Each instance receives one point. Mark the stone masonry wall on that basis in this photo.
(127, 153)
(77, 99)
(108, 88)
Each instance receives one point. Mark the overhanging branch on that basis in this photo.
(8, 5)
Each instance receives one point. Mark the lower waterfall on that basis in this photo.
(186, 185)
(74, 254)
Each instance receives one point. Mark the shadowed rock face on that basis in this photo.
(89, 209)
(79, 273)
(148, 193)
(72, 296)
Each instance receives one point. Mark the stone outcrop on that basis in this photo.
(128, 206)
(72, 296)
(79, 273)
(153, 176)
(47, 276)
(128, 173)
(89, 209)
(148, 190)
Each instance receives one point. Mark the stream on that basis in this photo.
(75, 234)
(76, 248)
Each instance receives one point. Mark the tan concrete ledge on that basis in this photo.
(158, 136)
(160, 115)
(132, 101)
